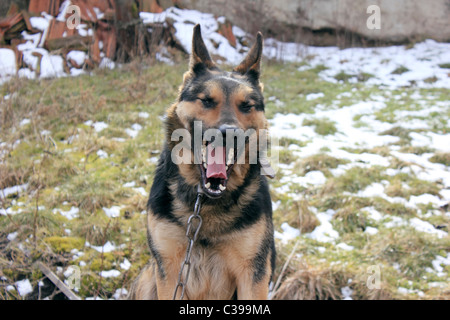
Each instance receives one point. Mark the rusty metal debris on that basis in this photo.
(109, 29)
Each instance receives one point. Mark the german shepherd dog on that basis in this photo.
(234, 255)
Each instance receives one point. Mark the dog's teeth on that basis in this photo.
(204, 153)
(204, 165)
(221, 187)
(226, 167)
(208, 185)
(230, 156)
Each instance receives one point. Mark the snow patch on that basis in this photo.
(324, 232)
(112, 212)
(110, 273)
(288, 233)
(24, 287)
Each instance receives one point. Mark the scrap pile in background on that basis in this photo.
(46, 40)
(40, 43)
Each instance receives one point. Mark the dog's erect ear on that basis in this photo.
(200, 58)
(251, 65)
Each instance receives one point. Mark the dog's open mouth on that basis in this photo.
(216, 168)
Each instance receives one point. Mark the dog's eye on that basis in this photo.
(245, 107)
(208, 103)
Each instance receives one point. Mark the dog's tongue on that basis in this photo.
(213, 169)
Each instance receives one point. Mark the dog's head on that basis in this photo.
(223, 112)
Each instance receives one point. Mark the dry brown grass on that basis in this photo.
(325, 283)
(307, 219)
(444, 294)
(11, 177)
(308, 284)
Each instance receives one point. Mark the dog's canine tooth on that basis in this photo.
(204, 165)
(231, 153)
(230, 156)
(221, 187)
(204, 153)
(208, 185)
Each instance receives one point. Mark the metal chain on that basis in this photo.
(193, 227)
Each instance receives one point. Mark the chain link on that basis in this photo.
(193, 227)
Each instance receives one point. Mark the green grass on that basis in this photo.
(322, 162)
(441, 157)
(345, 77)
(357, 178)
(63, 170)
(400, 70)
(322, 126)
(342, 76)
(291, 86)
(444, 65)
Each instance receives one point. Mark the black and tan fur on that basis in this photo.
(235, 254)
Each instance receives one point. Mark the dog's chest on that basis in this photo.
(210, 277)
(217, 223)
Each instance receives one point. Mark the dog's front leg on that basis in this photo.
(168, 246)
(250, 288)
(166, 286)
(167, 275)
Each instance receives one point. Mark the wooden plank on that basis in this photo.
(101, 4)
(55, 29)
(75, 42)
(226, 30)
(86, 10)
(95, 51)
(13, 9)
(54, 8)
(37, 6)
(57, 282)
